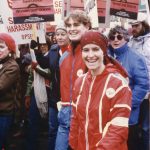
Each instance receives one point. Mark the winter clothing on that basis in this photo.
(9, 75)
(51, 61)
(61, 26)
(141, 45)
(101, 109)
(9, 42)
(138, 77)
(35, 115)
(71, 67)
(94, 37)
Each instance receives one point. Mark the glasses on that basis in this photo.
(119, 37)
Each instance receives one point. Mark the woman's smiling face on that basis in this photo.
(93, 57)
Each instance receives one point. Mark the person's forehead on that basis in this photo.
(92, 44)
(116, 33)
(61, 31)
(74, 20)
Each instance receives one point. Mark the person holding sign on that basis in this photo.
(37, 94)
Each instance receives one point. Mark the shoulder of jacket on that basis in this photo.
(54, 47)
(12, 62)
(119, 77)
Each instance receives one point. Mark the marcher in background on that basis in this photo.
(51, 61)
(56, 53)
(140, 42)
(37, 97)
(101, 101)
(9, 76)
(20, 121)
(71, 67)
(138, 76)
(62, 38)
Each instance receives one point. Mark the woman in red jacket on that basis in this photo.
(101, 100)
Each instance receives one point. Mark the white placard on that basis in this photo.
(33, 57)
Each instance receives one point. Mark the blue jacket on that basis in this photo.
(138, 76)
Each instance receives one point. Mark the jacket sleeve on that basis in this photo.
(29, 84)
(73, 135)
(140, 88)
(115, 132)
(9, 77)
(43, 60)
(43, 72)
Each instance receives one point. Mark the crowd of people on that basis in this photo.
(92, 90)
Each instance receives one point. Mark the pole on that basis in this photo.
(68, 7)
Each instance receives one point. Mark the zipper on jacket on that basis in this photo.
(71, 78)
(87, 115)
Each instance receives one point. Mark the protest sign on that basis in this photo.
(124, 8)
(29, 11)
(22, 33)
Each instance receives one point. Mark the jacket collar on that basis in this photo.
(118, 51)
(146, 35)
(4, 60)
(109, 68)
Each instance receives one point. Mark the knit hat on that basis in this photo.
(95, 37)
(61, 26)
(9, 41)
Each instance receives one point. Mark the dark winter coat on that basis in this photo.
(9, 75)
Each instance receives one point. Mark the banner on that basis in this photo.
(29, 11)
(142, 5)
(90, 6)
(103, 13)
(101, 10)
(124, 8)
(76, 4)
(59, 10)
(49, 27)
(22, 33)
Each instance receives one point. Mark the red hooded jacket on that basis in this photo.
(101, 109)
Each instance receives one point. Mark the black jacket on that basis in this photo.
(51, 61)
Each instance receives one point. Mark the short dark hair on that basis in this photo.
(146, 26)
(120, 30)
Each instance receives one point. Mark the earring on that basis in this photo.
(9, 54)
